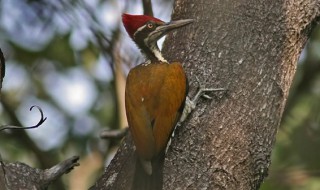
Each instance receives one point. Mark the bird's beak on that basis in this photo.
(167, 27)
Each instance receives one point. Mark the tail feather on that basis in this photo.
(143, 181)
(147, 166)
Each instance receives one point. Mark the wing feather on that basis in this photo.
(154, 95)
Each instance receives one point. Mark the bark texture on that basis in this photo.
(250, 47)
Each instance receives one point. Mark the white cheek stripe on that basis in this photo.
(158, 55)
(155, 50)
(153, 47)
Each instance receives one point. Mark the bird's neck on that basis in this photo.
(152, 53)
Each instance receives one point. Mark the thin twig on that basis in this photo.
(42, 120)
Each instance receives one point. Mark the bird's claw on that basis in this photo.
(202, 91)
(207, 96)
(190, 105)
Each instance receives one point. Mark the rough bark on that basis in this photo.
(120, 172)
(251, 48)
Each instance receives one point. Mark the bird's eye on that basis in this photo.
(150, 25)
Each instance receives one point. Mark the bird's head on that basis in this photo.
(146, 31)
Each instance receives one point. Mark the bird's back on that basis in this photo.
(154, 96)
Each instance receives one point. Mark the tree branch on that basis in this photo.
(147, 7)
(2, 67)
(21, 176)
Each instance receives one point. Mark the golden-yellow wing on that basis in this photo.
(154, 96)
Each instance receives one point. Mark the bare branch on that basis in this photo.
(21, 176)
(114, 134)
(2, 67)
(147, 7)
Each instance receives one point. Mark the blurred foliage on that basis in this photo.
(60, 55)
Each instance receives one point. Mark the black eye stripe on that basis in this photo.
(144, 30)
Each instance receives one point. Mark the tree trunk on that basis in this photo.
(251, 48)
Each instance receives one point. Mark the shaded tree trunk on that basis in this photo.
(250, 47)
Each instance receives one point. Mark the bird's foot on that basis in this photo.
(190, 104)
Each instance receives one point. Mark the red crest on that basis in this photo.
(133, 22)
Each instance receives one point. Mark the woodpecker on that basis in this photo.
(155, 91)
